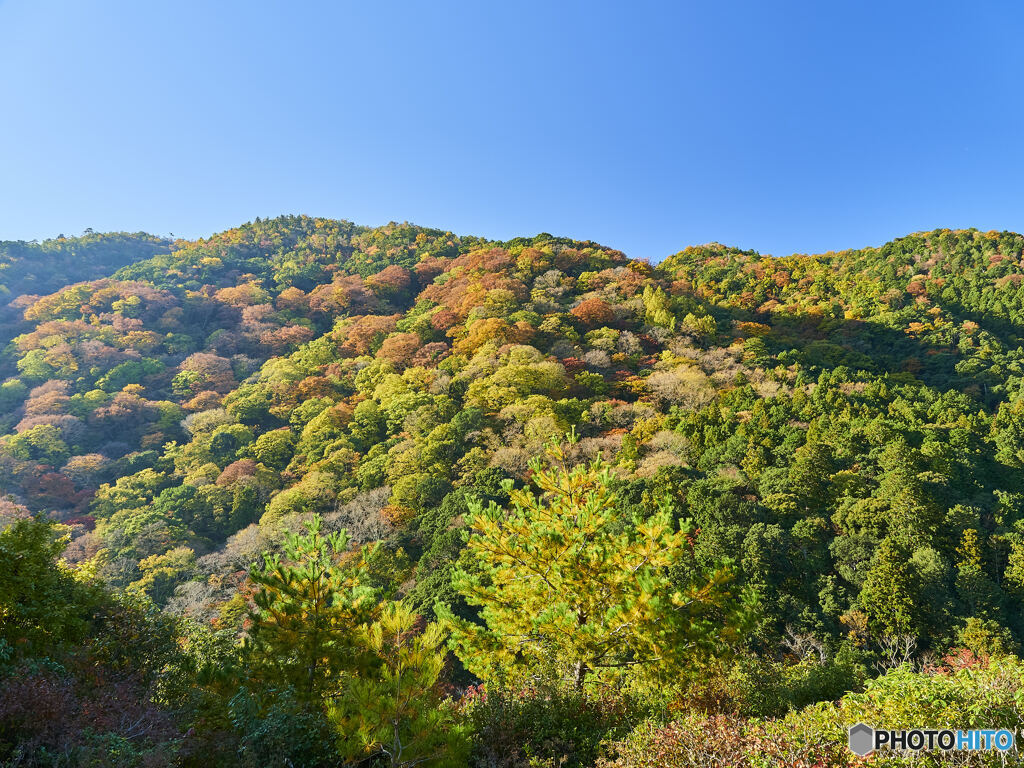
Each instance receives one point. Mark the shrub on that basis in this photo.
(546, 726)
(275, 728)
(700, 741)
(769, 689)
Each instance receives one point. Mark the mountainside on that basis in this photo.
(39, 268)
(846, 428)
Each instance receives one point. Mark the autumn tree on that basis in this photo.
(364, 334)
(390, 282)
(399, 348)
(203, 372)
(593, 313)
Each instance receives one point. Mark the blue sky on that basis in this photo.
(784, 127)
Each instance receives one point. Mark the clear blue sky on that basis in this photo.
(780, 126)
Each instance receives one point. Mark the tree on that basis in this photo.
(204, 371)
(40, 443)
(41, 604)
(390, 282)
(913, 515)
(399, 712)
(305, 629)
(1008, 431)
(978, 592)
(364, 334)
(399, 348)
(523, 372)
(685, 386)
(658, 307)
(274, 449)
(162, 573)
(566, 588)
(890, 591)
(593, 313)
(809, 475)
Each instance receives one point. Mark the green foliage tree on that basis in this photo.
(274, 449)
(42, 605)
(658, 307)
(309, 609)
(568, 588)
(890, 595)
(978, 593)
(399, 711)
(161, 573)
(1008, 431)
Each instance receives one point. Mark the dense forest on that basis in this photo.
(306, 493)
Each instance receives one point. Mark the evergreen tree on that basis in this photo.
(568, 588)
(309, 610)
(890, 594)
(41, 603)
(1008, 432)
(913, 515)
(399, 711)
(979, 594)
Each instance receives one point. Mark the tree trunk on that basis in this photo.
(580, 675)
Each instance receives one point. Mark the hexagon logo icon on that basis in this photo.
(862, 739)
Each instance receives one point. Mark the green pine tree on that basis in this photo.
(398, 711)
(570, 588)
(890, 594)
(309, 610)
(978, 592)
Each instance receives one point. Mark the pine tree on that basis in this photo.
(1008, 432)
(1013, 575)
(913, 515)
(305, 631)
(809, 476)
(398, 711)
(978, 592)
(572, 589)
(890, 594)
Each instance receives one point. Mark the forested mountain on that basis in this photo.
(830, 446)
(40, 268)
(28, 270)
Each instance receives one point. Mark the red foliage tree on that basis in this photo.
(390, 281)
(593, 313)
(362, 335)
(214, 371)
(285, 338)
(400, 348)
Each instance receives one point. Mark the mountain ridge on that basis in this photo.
(708, 246)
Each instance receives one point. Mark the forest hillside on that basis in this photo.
(727, 499)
